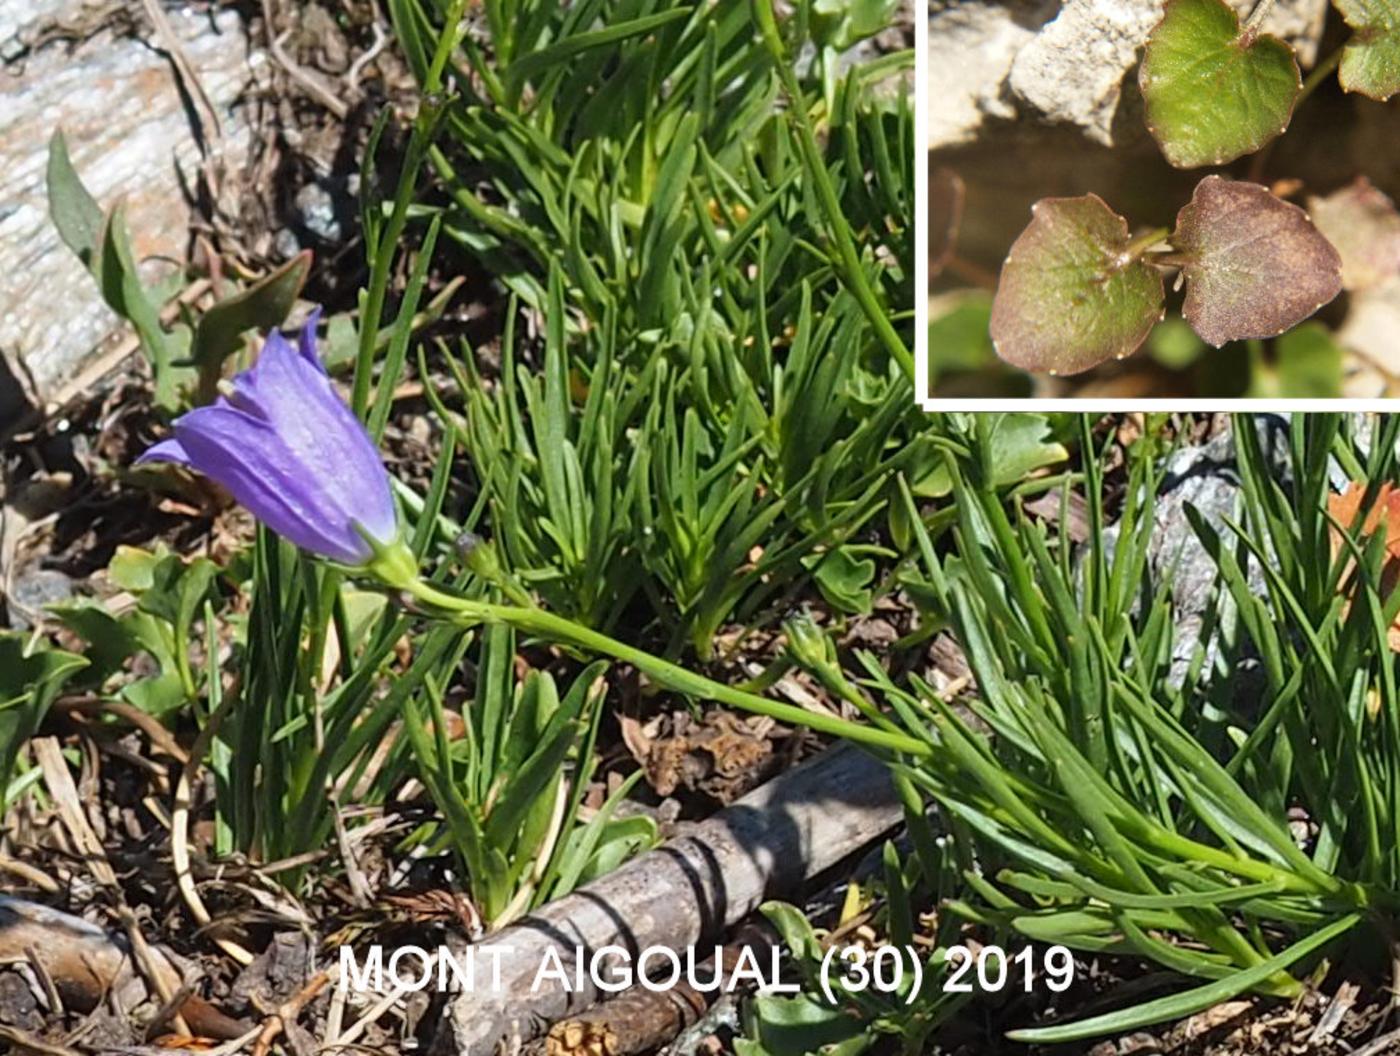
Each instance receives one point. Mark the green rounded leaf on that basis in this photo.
(1371, 59)
(1212, 91)
(1254, 264)
(1072, 295)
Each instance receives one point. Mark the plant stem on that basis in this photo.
(1140, 245)
(1256, 18)
(1319, 73)
(424, 127)
(849, 259)
(532, 620)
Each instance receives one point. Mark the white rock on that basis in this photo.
(1072, 72)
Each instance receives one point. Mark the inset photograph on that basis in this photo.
(1132, 199)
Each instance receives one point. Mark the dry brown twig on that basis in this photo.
(299, 73)
(171, 42)
(288, 1011)
(27, 1043)
(28, 873)
(180, 829)
(157, 971)
(143, 721)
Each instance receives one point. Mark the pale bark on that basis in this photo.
(685, 893)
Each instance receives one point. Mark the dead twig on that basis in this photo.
(299, 73)
(288, 1011)
(143, 721)
(159, 973)
(188, 74)
(24, 1042)
(1377, 1046)
(180, 829)
(351, 1036)
(37, 877)
(41, 971)
(352, 75)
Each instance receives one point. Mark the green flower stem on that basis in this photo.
(1140, 245)
(1318, 74)
(468, 612)
(826, 194)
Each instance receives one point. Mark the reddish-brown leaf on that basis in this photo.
(1071, 294)
(1361, 222)
(1254, 264)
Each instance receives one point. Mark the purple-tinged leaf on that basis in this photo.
(1072, 293)
(1361, 222)
(1254, 264)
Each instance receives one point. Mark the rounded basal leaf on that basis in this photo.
(1071, 294)
(1371, 60)
(1212, 91)
(1254, 264)
(1361, 222)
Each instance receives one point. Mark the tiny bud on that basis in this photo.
(465, 543)
(478, 555)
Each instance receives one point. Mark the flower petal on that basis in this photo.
(168, 450)
(298, 399)
(306, 340)
(248, 456)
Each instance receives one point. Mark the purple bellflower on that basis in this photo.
(285, 445)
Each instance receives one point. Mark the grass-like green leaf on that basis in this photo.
(1213, 91)
(1371, 60)
(1254, 264)
(1072, 293)
(1177, 1006)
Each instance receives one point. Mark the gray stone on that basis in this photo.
(1206, 478)
(1072, 71)
(31, 591)
(316, 206)
(120, 105)
(971, 47)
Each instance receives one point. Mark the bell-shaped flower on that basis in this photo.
(286, 446)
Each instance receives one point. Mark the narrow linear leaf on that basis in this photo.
(1363, 225)
(556, 54)
(1371, 59)
(1254, 264)
(1071, 294)
(1178, 1006)
(1214, 92)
